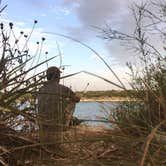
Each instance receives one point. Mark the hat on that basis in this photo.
(53, 72)
(53, 69)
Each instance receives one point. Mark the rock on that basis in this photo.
(75, 121)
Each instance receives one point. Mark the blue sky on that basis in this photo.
(75, 18)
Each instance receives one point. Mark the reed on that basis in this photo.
(142, 124)
(18, 90)
(139, 136)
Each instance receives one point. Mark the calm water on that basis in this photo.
(91, 110)
(95, 111)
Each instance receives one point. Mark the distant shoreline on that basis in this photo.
(114, 99)
(109, 95)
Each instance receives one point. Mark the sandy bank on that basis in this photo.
(114, 99)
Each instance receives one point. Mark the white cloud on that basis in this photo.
(6, 21)
(94, 12)
(65, 11)
(99, 13)
(43, 15)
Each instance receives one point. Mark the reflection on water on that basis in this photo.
(95, 111)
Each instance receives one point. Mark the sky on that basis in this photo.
(79, 19)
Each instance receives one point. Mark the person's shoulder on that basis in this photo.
(65, 87)
(48, 85)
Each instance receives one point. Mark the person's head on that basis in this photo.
(53, 73)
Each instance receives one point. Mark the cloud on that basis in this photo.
(65, 11)
(116, 14)
(98, 13)
(91, 13)
(94, 12)
(18, 23)
(43, 15)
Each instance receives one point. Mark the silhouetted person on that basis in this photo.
(56, 105)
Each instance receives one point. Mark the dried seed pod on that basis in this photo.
(10, 25)
(1, 25)
(43, 38)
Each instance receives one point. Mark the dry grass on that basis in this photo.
(140, 134)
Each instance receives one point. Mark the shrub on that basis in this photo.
(142, 124)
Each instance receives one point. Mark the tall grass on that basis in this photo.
(18, 90)
(142, 124)
(20, 79)
(140, 134)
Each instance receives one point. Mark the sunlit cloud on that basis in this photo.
(65, 11)
(43, 15)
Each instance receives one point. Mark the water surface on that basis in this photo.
(92, 110)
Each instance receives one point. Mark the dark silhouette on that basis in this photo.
(56, 105)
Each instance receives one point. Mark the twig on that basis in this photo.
(149, 139)
(2, 162)
(98, 55)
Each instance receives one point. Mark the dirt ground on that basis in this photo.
(79, 146)
(83, 146)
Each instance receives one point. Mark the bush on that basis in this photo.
(142, 124)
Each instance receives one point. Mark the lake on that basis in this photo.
(91, 110)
